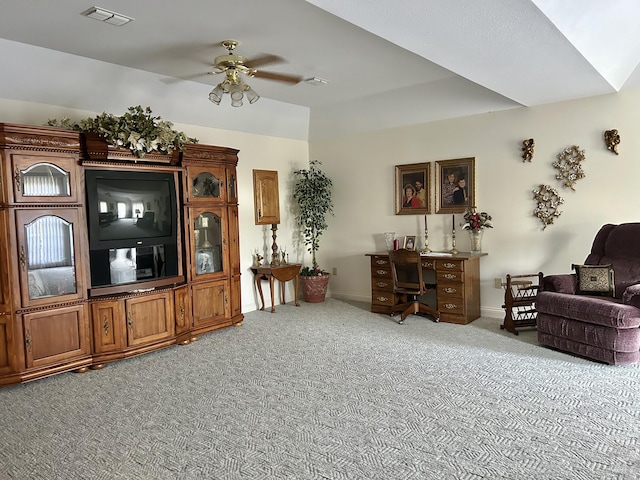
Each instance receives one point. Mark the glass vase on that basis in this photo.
(475, 238)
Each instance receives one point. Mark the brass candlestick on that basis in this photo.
(453, 242)
(426, 248)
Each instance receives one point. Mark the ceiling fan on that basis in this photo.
(233, 66)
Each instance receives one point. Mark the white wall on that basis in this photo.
(256, 152)
(362, 167)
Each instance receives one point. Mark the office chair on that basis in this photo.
(406, 267)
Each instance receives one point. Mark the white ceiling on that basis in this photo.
(389, 63)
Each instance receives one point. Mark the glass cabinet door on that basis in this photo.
(48, 246)
(206, 184)
(210, 248)
(42, 180)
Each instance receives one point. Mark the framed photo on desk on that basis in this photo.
(410, 242)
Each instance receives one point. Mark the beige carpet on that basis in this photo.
(331, 391)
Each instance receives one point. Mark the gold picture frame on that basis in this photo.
(455, 185)
(407, 177)
(409, 242)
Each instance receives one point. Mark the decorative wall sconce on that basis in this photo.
(569, 165)
(547, 203)
(612, 139)
(527, 150)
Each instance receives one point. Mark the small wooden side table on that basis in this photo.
(282, 273)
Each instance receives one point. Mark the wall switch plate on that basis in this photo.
(334, 271)
(498, 282)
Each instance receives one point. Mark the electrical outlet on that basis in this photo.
(334, 271)
(498, 282)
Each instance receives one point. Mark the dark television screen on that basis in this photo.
(128, 209)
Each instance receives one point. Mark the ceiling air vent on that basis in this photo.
(103, 15)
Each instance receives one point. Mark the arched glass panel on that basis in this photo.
(207, 231)
(206, 185)
(50, 257)
(45, 180)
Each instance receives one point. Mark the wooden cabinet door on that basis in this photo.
(48, 243)
(183, 310)
(44, 178)
(209, 257)
(7, 345)
(266, 199)
(108, 326)
(210, 303)
(206, 184)
(149, 318)
(236, 297)
(5, 249)
(56, 335)
(234, 241)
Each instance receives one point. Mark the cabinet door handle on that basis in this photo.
(129, 320)
(105, 325)
(16, 179)
(27, 340)
(23, 258)
(181, 311)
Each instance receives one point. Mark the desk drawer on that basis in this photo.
(381, 272)
(383, 284)
(453, 290)
(451, 304)
(379, 297)
(450, 265)
(428, 264)
(380, 261)
(449, 277)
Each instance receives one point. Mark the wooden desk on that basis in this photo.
(457, 279)
(282, 273)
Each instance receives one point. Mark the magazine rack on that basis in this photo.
(519, 301)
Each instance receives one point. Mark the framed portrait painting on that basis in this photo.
(412, 192)
(455, 185)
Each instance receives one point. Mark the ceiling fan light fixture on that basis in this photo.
(252, 96)
(216, 94)
(235, 92)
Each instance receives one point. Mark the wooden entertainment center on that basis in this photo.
(52, 318)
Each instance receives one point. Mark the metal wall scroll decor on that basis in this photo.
(527, 150)
(547, 203)
(569, 165)
(612, 139)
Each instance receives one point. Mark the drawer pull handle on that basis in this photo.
(382, 272)
(449, 265)
(450, 276)
(450, 306)
(382, 299)
(382, 284)
(450, 290)
(382, 262)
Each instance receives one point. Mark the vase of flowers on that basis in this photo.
(475, 223)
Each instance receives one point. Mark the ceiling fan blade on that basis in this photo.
(266, 59)
(171, 80)
(279, 77)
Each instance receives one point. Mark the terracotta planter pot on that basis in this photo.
(314, 289)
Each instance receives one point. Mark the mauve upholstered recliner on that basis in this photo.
(601, 327)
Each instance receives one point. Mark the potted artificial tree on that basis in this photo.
(312, 192)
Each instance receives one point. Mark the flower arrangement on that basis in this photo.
(476, 221)
(137, 129)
